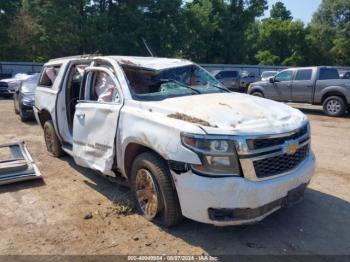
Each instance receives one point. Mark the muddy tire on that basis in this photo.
(53, 144)
(257, 93)
(334, 106)
(154, 191)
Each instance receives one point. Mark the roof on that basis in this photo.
(153, 63)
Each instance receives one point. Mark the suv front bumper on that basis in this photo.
(235, 200)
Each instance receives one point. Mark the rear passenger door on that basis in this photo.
(303, 85)
(96, 120)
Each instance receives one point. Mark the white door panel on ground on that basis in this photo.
(94, 130)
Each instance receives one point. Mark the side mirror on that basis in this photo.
(271, 80)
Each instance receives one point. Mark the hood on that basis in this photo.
(230, 113)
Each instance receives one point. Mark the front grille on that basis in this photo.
(268, 142)
(280, 164)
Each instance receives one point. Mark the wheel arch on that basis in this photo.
(132, 150)
(333, 93)
(44, 115)
(253, 89)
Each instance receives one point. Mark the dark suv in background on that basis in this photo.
(23, 98)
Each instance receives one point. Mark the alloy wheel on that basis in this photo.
(147, 193)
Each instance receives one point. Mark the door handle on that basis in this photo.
(81, 116)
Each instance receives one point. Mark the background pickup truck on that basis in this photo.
(313, 85)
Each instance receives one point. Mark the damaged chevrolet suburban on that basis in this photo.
(185, 145)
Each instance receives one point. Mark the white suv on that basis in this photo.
(186, 145)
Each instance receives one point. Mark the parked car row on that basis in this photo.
(239, 81)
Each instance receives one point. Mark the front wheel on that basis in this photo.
(154, 191)
(334, 106)
(257, 93)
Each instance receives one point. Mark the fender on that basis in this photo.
(332, 90)
(252, 89)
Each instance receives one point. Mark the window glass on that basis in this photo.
(328, 73)
(284, 76)
(103, 88)
(304, 74)
(231, 74)
(48, 75)
(148, 84)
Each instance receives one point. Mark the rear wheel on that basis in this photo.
(155, 194)
(334, 106)
(53, 144)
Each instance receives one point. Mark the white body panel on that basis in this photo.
(197, 194)
(94, 133)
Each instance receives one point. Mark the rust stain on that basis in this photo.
(190, 119)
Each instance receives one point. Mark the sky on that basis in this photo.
(301, 9)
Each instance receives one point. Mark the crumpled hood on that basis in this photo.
(231, 113)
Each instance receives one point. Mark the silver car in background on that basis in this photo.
(265, 76)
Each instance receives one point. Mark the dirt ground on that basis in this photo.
(47, 217)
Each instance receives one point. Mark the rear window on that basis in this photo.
(48, 75)
(304, 74)
(328, 73)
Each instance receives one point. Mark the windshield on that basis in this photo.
(268, 74)
(29, 85)
(149, 84)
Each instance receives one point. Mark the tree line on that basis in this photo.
(206, 31)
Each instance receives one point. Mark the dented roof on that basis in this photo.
(152, 63)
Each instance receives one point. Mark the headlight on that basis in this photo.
(218, 155)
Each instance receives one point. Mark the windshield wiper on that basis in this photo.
(180, 84)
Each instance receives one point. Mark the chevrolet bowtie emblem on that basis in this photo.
(292, 148)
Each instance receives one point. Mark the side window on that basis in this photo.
(48, 75)
(103, 88)
(232, 74)
(328, 73)
(219, 76)
(284, 76)
(304, 74)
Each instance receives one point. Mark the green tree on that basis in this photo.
(267, 58)
(8, 10)
(280, 12)
(283, 39)
(330, 32)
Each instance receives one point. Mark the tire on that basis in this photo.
(16, 104)
(257, 93)
(23, 117)
(160, 202)
(334, 106)
(52, 142)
